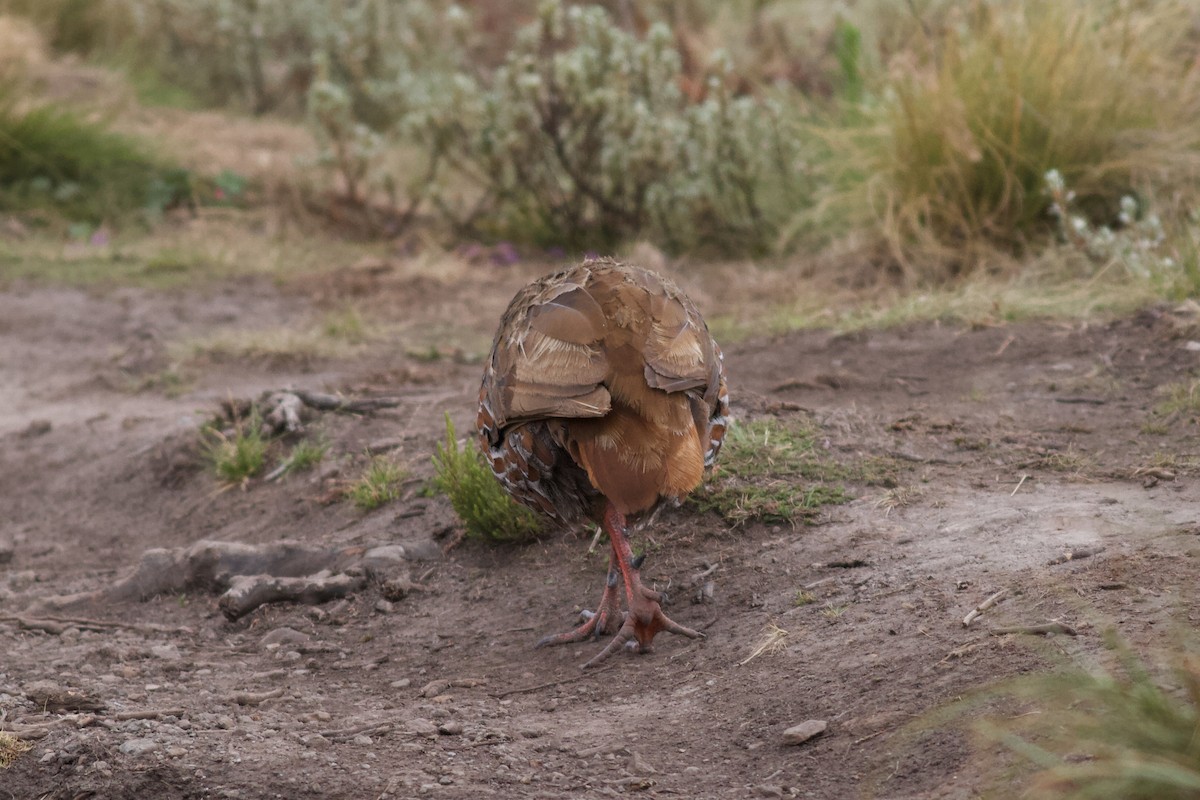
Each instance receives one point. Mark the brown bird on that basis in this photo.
(604, 396)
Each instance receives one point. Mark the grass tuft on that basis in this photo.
(305, 455)
(1179, 399)
(379, 484)
(478, 498)
(11, 748)
(1116, 733)
(238, 456)
(948, 161)
(776, 472)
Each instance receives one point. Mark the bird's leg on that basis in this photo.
(605, 619)
(645, 617)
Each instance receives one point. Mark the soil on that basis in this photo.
(1016, 445)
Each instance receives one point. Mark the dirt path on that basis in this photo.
(1015, 445)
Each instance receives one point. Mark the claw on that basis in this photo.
(638, 560)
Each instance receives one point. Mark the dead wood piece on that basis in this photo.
(248, 592)
(371, 728)
(281, 413)
(978, 610)
(255, 698)
(148, 713)
(41, 729)
(1075, 555)
(1086, 401)
(1046, 628)
(212, 564)
(56, 625)
(51, 696)
(332, 402)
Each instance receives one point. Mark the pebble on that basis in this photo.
(421, 727)
(167, 652)
(176, 752)
(403, 683)
(318, 742)
(7, 550)
(284, 635)
(799, 734)
(363, 740)
(450, 728)
(138, 747)
(384, 606)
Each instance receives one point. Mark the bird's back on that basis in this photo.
(603, 382)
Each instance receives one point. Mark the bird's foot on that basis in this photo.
(642, 623)
(606, 618)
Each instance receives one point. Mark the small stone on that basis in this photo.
(384, 606)
(434, 688)
(176, 752)
(532, 731)
(445, 780)
(167, 652)
(450, 727)
(284, 635)
(422, 727)
(799, 734)
(37, 427)
(389, 552)
(403, 683)
(47, 757)
(317, 742)
(766, 790)
(7, 549)
(138, 747)
(362, 740)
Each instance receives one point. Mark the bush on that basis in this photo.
(53, 159)
(481, 503)
(582, 137)
(951, 152)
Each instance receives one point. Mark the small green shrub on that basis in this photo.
(1114, 734)
(776, 472)
(379, 484)
(237, 457)
(53, 159)
(306, 454)
(477, 497)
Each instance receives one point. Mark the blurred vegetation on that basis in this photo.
(913, 137)
(1129, 731)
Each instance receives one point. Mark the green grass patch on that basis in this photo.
(1179, 399)
(55, 161)
(378, 484)
(477, 497)
(239, 455)
(306, 454)
(1140, 731)
(776, 471)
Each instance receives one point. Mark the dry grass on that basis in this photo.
(949, 163)
(772, 641)
(11, 748)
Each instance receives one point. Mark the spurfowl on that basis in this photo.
(604, 395)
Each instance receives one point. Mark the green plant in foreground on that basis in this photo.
(306, 454)
(477, 497)
(1179, 398)
(236, 458)
(379, 484)
(1117, 734)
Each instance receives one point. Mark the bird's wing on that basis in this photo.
(550, 363)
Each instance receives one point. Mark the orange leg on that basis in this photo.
(605, 620)
(645, 618)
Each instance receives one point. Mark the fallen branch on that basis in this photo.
(551, 684)
(255, 698)
(359, 730)
(978, 610)
(1042, 630)
(248, 592)
(56, 625)
(332, 402)
(149, 713)
(1075, 555)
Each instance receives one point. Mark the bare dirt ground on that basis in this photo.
(1015, 445)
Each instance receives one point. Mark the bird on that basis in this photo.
(604, 396)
